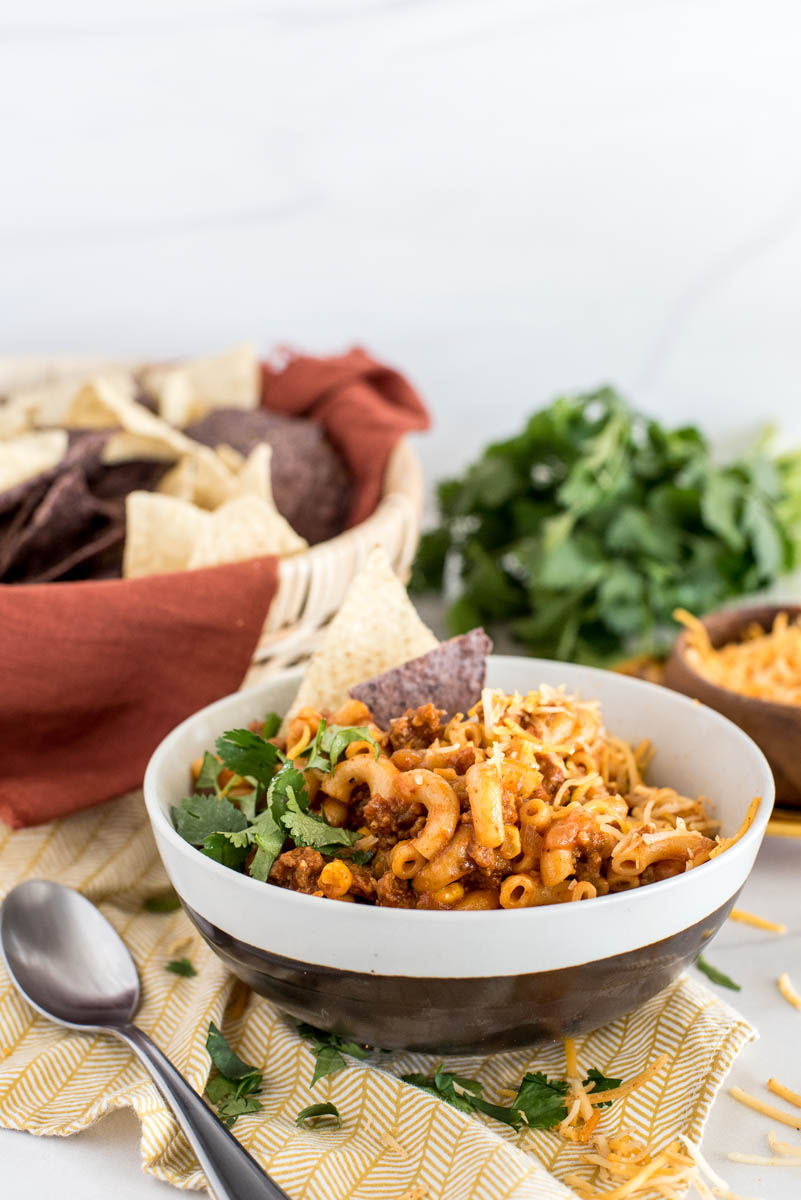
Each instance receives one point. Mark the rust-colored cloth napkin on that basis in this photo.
(94, 674)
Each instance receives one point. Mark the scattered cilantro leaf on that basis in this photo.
(271, 725)
(362, 857)
(289, 781)
(715, 975)
(315, 1111)
(227, 1061)
(199, 816)
(247, 753)
(181, 966)
(329, 1050)
(308, 830)
(164, 902)
(602, 1084)
(233, 1090)
(539, 1103)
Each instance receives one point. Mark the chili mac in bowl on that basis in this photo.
(481, 943)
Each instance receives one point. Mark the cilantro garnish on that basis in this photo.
(271, 725)
(228, 828)
(247, 753)
(316, 1111)
(539, 1103)
(164, 902)
(715, 975)
(329, 1049)
(331, 741)
(233, 1090)
(308, 830)
(181, 966)
(196, 817)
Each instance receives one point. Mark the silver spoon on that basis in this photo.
(72, 966)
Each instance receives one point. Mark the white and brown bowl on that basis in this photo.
(453, 981)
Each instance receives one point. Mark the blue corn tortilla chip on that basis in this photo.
(450, 677)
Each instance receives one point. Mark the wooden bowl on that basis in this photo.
(776, 728)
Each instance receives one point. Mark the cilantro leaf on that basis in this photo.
(231, 1091)
(271, 725)
(715, 975)
(308, 830)
(540, 1100)
(247, 753)
(329, 1050)
(289, 781)
(199, 816)
(315, 1111)
(602, 1084)
(164, 902)
(336, 738)
(219, 847)
(209, 772)
(181, 966)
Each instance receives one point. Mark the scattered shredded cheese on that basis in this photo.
(388, 1139)
(760, 1160)
(747, 918)
(767, 1110)
(788, 991)
(417, 1191)
(779, 1089)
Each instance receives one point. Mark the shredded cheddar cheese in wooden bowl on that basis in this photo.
(762, 664)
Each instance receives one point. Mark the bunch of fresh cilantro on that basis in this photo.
(270, 806)
(582, 534)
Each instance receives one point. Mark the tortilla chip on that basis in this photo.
(209, 479)
(103, 404)
(450, 677)
(376, 628)
(246, 527)
(310, 483)
(46, 404)
(187, 391)
(160, 535)
(29, 454)
(128, 447)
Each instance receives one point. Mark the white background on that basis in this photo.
(507, 198)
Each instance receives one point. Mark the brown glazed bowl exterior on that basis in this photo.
(459, 981)
(776, 728)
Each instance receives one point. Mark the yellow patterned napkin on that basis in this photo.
(395, 1139)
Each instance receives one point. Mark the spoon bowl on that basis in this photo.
(65, 957)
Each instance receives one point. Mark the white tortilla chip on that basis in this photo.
(48, 403)
(376, 628)
(233, 460)
(15, 419)
(187, 391)
(244, 528)
(210, 479)
(160, 534)
(29, 454)
(104, 404)
(129, 447)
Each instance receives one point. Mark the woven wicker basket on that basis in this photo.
(311, 585)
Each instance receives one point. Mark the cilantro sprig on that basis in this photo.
(539, 1103)
(181, 966)
(234, 1089)
(329, 1051)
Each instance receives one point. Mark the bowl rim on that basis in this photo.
(663, 888)
(745, 614)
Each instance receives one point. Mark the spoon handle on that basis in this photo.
(230, 1171)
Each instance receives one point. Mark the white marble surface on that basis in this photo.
(507, 199)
